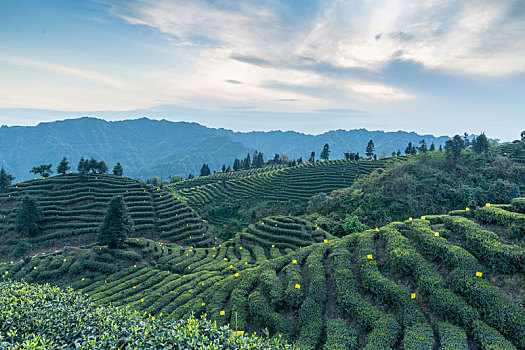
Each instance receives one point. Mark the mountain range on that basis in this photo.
(147, 147)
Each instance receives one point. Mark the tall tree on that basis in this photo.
(236, 164)
(325, 153)
(276, 159)
(63, 166)
(247, 162)
(5, 179)
(312, 157)
(44, 170)
(93, 165)
(28, 217)
(223, 167)
(370, 149)
(205, 170)
(83, 166)
(480, 144)
(300, 160)
(522, 136)
(254, 159)
(118, 170)
(432, 147)
(455, 145)
(117, 224)
(423, 146)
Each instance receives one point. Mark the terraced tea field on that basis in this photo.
(300, 182)
(73, 208)
(439, 282)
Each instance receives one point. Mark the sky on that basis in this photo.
(434, 67)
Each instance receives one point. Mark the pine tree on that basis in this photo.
(247, 162)
(118, 170)
(455, 145)
(432, 147)
(440, 148)
(276, 159)
(423, 146)
(117, 224)
(325, 153)
(93, 165)
(63, 166)
(370, 149)
(205, 170)
(312, 157)
(223, 168)
(44, 170)
(28, 217)
(254, 159)
(357, 157)
(398, 152)
(236, 164)
(190, 176)
(83, 166)
(5, 179)
(300, 160)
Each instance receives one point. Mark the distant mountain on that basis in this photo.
(148, 147)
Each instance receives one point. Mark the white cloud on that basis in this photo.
(466, 37)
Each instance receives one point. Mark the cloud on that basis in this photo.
(478, 37)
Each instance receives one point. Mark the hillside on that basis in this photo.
(451, 281)
(73, 207)
(162, 148)
(285, 184)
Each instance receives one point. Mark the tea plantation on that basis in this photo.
(451, 281)
(73, 207)
(282, 184)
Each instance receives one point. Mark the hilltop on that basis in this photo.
(162, 148)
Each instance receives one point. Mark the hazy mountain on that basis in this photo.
(158, 147)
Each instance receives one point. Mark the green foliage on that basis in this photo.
(339, 336)
(64, 319)
(353, 225)
(429, 183)
(28, 217)
(44, 170)
(370, 149)
(118, 170)
(325, 153)
(63, 166)
(117, 224)
(451, 337)
(5, 179)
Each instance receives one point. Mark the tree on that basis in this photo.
(205, 170)
(43, 169)
(118, 170)
(455, 145)
(312, 157)
(247, 162)
(370, 149)
(300, 160)
(102, 167)
(5, 179)
(466, 139)
(522, 136)
(353, 225)
(236, 164)
(175, 178)
(276, 159)
(398, 152)
(117, 224)
(440, 148)
(325, 154)
(28, 217)
(83, 166)
(223, 167)
(63, 166)
(432, 147)
(480, 144)
(254, 159)
(93, 165)
(190, 176)
(258, 160)
(423, 146)
(21, 249)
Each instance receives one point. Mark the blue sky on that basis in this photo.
(440, 67)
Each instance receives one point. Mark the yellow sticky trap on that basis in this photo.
(479, 274)
(297, 286)
(238, 333)
(487, 205)
(83, 279)
(137, 239)
(413, 296)
(317, 228)
(423, 218)
(409, 219)
(231, 266)
(34, 268)
(65, 260)
(377, 229)
(436, 234)
(325, 241)
(222, 313)
(245, 263)
(203, 304)
(6, 272)
(294, 261)
(369, 256)
(134, 287)
(240, 248)
(225, 259)
(141, 300)
(202, 283)
(189, 267)
(262, 223)
(236, 274)
(273, 245)
(467, 209)
(134, 265)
